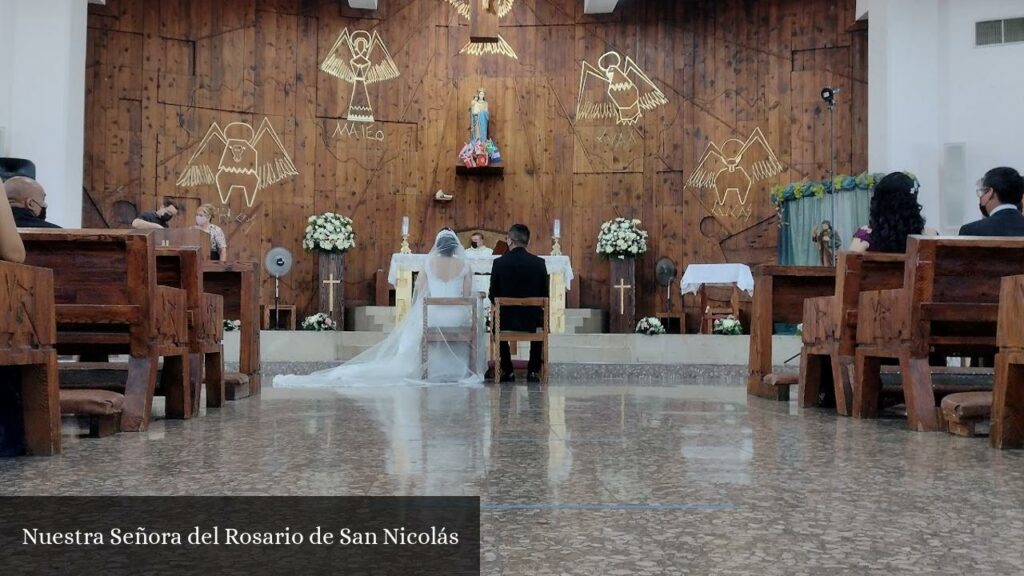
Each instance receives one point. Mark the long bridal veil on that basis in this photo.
(399, 358)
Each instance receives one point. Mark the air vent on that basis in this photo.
(991, 32)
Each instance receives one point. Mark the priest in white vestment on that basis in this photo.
(477, 247)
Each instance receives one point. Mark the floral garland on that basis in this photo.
(650, 326)
(318, 322)
(329, 232)
(728, 326)
(621, 238)
(818, 189)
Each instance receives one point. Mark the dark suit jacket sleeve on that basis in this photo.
(546, 289)
(495, 291)
(969, 229)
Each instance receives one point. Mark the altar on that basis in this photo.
(403, 266)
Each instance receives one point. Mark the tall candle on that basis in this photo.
(405, 225)
(558, 228)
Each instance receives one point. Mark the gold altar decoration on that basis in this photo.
(240, 165)
(617, 89)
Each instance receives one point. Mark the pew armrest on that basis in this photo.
(170, 315)
(212, 323)
(883, 316)
(819, 320)
(27, 318)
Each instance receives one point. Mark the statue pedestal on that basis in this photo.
(332, 287)
(622, 298)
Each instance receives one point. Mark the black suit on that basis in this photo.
(24, 218)
(519, 274)
(1006, 222)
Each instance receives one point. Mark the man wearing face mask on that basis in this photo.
(28, 203)
(158, 218)
(477, 246)
(999, 199)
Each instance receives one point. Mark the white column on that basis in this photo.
(42, 96)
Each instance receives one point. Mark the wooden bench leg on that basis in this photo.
(177, 389)
(41, 407)
(1008, 404)
(138, 393)
(842, 379)
(214, 378)
(867, 386)
(811, 372)
(922, 414)
(102, 426)
(195, 381)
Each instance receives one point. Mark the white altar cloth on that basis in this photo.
(479, 265)
(699, 274)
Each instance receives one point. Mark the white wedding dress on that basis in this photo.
(398, 359)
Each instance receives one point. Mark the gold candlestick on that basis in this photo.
(405, 245)
(556, 247)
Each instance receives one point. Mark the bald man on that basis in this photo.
(28, 202)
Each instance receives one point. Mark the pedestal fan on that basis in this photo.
(278, 263)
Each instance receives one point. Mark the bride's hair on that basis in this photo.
(447, 244)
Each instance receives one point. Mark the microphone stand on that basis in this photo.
(832, 171)
(277, 302)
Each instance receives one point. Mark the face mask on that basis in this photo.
(42, 213)
(982, 207)
(474, 244)
(202, 220)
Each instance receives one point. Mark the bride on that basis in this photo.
(399, 359)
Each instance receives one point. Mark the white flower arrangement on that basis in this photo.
(232, 325)
(329, 232)
(621, 238)
(728, 326)
(318, 322)
(650, 326)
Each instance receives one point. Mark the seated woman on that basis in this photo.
(218, 242)
(894, 215)
(11, 247)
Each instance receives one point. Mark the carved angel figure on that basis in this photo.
(499, 7)
(241, 165)
(360, 58)
(622, 91)
(731, 171)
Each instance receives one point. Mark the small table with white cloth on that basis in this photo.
(699, 275)
(400, 275)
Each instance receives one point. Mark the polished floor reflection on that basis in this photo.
(596, 479)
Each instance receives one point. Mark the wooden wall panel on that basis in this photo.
(160, 73)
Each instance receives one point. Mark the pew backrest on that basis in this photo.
(26, 307)
(856, 273)
(1010, 334)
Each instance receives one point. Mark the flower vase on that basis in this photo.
(622, 298)
(332, 286)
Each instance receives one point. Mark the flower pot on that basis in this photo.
(622, 298)
(332, 286)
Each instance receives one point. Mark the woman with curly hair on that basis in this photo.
(894, 215)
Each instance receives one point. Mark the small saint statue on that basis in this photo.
(824, 236)
(480, 150)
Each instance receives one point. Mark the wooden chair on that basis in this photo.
(27, 335)
(239, 284)
(182, 267)
(712, 308)
(1008, 394)
(108, 301)
(449, 334)
(948, 306)
(779, 294)
(830, 326)
(498, 336)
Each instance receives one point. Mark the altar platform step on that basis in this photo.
(382, 319)
(597, 349)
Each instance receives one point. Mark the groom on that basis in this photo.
(519, 274)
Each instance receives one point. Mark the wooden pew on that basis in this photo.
(830, 325)
(948, 306)
(182, 267)
(239, 284)
(108, 302)
(779, 294)
(28, 332)
(1008, 394)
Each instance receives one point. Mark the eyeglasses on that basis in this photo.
(982, 191)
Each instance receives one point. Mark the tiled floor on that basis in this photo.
(598, 478)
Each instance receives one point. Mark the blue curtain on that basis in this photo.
(799, 217)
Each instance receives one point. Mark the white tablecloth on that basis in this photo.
(698, 274)
(479, 265)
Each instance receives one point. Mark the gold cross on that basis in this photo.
(330, 291)
(622, 286)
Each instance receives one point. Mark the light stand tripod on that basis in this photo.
(829, 96)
